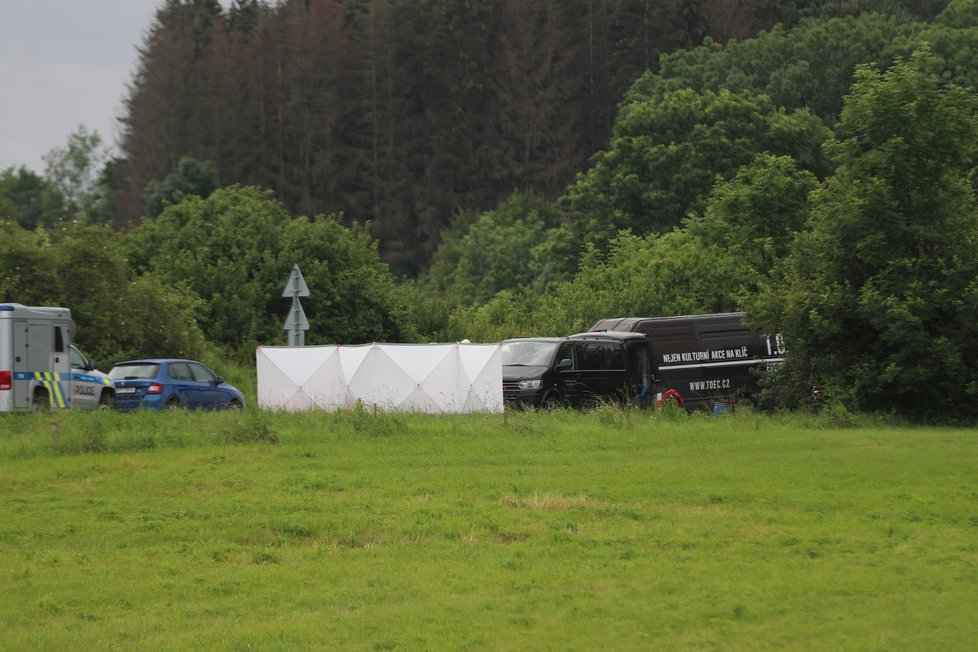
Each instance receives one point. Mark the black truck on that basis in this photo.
(703, 361)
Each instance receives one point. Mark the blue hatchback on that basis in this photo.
(166, 384)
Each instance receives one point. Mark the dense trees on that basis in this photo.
(192, 177)
(206, 269)
(809, 65)
(743, 173)
(83, 267)
(502, 249)
(28, 199)
(666, 154)
(74, 170)
(403, 113)
(711, 264)
(235, 249)
(878, 297)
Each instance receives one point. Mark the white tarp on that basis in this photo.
(431, 378)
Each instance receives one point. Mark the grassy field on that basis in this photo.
(564, 531)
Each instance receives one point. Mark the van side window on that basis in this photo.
(600, 355)
(614, 356)
(566, 351)
(59, 340)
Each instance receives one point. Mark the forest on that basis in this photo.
(449, 169)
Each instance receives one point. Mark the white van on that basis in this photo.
(40, 368)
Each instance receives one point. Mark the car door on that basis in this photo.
(85, 392)
(568, 375)
(209, 393)
(182, 384)
(639, 362)
(603, 373)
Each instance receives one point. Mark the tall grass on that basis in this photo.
(362, 530)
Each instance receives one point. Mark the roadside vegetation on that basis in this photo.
(833, 202)
(813, 167)
(363, 530)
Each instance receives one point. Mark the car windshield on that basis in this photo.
(134, 371)
(528, 352)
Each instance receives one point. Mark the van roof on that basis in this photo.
(706, 317)
(608, 335)
(534, 339)
(618, 336)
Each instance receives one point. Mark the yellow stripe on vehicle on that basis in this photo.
(52, 383)
(58, 394)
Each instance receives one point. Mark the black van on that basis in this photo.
(708, 360)
(580, 370)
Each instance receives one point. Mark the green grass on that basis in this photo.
(608, 530)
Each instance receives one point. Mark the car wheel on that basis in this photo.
(106, 401)
(551, 401)
(42, 402)
(234, 405)
(174, 405)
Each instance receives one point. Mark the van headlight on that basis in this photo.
(529, 384)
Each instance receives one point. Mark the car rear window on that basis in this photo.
(133, 371)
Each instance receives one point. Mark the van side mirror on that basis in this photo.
(564, 364)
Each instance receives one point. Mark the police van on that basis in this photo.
(703, 361)
(40, 368)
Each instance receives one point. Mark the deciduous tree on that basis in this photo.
(666, 155)
(235, 250)
(879, 299)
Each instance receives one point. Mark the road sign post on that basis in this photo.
(296, 323)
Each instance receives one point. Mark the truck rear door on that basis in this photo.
(23, 380)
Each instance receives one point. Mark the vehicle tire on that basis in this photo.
(42, 402)
(106, 401)
(234, 405)
(551, 401)
(174, 405)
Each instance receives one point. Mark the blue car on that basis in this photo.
(167, 384)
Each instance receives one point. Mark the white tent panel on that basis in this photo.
(327, 385)
(415, 377)
(351, 357)
(301, 362)
(484, 377)
(442, 382)
(298, 403)
(380, 382)
(475, 360)
(418, 361)
(420, 401)
(275, 385)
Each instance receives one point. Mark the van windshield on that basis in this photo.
(528, 353)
